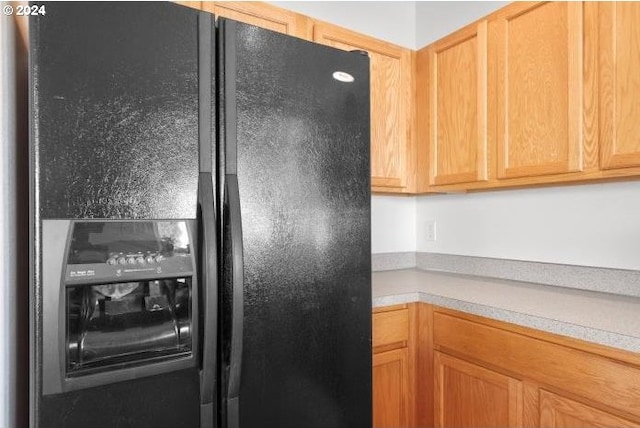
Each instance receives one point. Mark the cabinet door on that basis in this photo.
(467, 395)
(391, 389)
(265, 16)
(561, 412)
(619, 64)
(391, 101)
(458, 98)
(539, 88)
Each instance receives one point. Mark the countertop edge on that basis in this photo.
(588, 334)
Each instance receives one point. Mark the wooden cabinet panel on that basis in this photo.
(619, 84)
(539, 88)
(192, 4)
(560, 412)
(265, 16)
(595, 378)
(391, 327)
(458, 97)
(391, 389)
(467, 395)
(391, 105)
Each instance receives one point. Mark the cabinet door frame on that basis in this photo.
(553, 406)
(575, 143)
(479, 31)
(297, 25)
(398, 355)
(513, 386)
(610, 157)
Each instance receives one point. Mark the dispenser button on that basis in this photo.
(159, 258)
(150, 259)
(112, 261)
(122, 261)
(140, 260)
(131, 261)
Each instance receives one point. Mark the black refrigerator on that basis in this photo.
(200, 223)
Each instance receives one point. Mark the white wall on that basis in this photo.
(436, 19)
(393, 21)
(393, 224)
(590, 225)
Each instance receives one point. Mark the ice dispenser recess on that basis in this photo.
(127, 303)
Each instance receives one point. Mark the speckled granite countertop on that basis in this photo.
(601, 318)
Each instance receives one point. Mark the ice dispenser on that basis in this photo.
(126, 305)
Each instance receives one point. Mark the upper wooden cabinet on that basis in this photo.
(539, 88)
(265, 16)
(619, 84)
(458, 106)
(191, 4)
(392, 153)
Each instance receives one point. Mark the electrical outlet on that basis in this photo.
(430, 230)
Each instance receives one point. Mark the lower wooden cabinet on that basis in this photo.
(468, 395)
(391, 389)
(439, 367)
(561, 412)
(491, 373)
(394, 355)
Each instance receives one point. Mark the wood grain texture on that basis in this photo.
(458, 106)
(424, 367)
(599, 51)
(467, 395)
(412, 170)
(539, 87)
(389, 308)
(561, 412)
(191, 4)
(590, 122)
(609, 385)
(531, 405)
(263, 15)
(412, 373)
(585, 177)
(422, 120)
(619, 89)
(391, 389)
(391, 327)
(628, 357)
(392, 96)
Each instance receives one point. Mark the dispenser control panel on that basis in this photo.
(113, 251)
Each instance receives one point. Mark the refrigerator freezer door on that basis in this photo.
(298, 140)
(114, 135)
(115, 110)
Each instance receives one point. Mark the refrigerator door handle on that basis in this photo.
(237, 305)
(209, 299)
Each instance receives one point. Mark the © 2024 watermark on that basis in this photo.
(23, 10)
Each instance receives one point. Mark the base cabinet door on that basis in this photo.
(561, 412)
(467, 395)
(390, 389)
